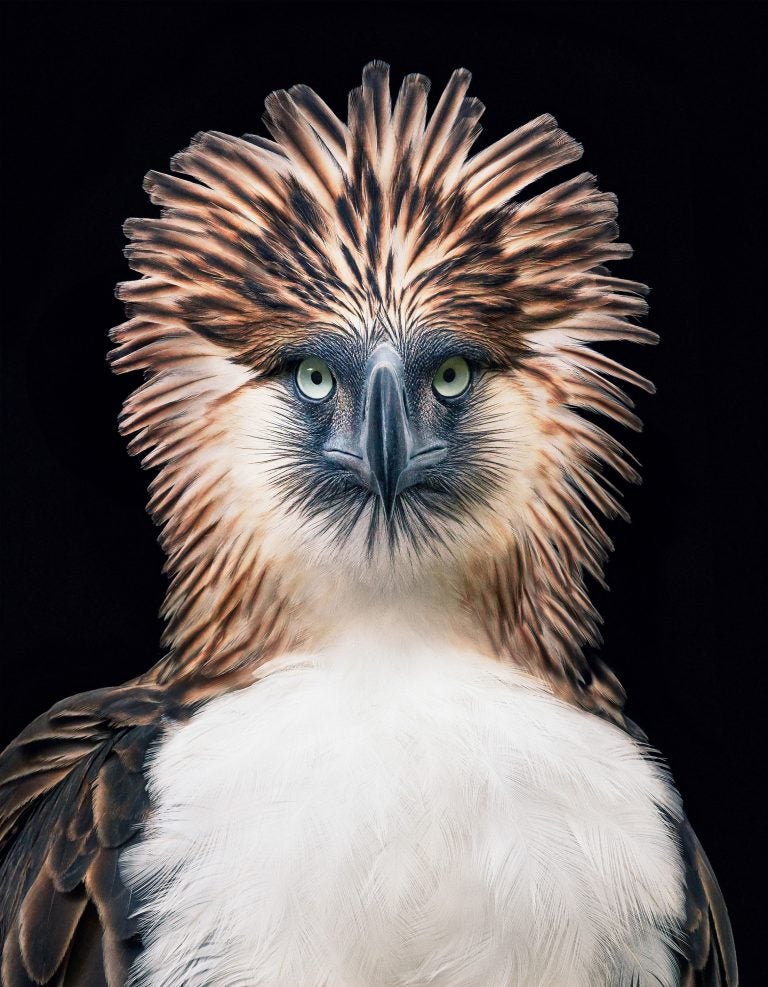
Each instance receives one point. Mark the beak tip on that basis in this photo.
(387, 499)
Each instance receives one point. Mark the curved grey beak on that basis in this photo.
(386, 436)
(385, 453)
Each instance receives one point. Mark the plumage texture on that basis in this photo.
(72, 796)
(380, 228)
(383, 221)
(437, 819)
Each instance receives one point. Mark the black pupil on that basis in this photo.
(449, 375)
(316, 377)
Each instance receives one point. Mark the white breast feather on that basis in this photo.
(441, 820)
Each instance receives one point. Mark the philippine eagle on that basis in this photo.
(374, 754)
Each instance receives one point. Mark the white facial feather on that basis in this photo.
(247, 455)
(390, 814)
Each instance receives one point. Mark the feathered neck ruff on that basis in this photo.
(337, 224)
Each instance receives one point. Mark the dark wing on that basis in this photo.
(710, 952)
(72, 796)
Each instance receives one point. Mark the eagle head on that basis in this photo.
(366, 359)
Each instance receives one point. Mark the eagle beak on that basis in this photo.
(387, 440)
(386, 455)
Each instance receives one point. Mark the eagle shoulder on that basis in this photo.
(710, 950)
(72, 797)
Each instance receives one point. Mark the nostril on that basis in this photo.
(352, 464)
(333, 452)
(438, 451)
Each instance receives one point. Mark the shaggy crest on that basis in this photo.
(383, 220)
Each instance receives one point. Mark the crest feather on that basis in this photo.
(336, 224)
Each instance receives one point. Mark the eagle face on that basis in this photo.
(388, 452)
(388, 437)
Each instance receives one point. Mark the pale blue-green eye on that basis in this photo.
(453, 378)
(314, 379)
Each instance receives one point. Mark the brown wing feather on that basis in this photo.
(72, 795)
(711, 953)
(708, 951)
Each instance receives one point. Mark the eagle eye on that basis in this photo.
(452, 378)
(314, 379)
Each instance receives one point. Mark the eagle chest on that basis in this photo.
(327, 828)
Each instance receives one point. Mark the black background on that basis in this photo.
(664, 98)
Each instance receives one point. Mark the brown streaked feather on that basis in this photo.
(410, 113)
(47, 922)
(72, 795)
(486, 164)
(320, 116)
(710, 953)
(85, 963)
(442, 122)
(302, 144)
(376, 82)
